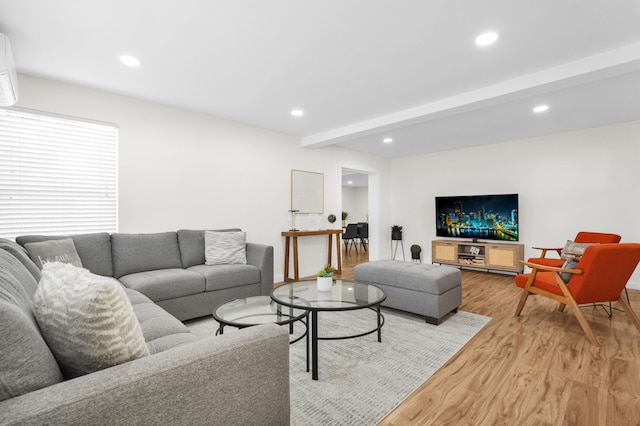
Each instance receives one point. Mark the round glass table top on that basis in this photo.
(256, 310)
(344, 295)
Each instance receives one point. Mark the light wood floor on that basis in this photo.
(538, 369)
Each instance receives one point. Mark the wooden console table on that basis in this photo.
(294, 235)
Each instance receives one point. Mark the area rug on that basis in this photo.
(362, 380)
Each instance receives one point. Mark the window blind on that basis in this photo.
(58, 175)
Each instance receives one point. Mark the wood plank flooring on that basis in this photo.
(538, 369)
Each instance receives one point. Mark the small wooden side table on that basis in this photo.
(293, 235)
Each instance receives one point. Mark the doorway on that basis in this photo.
(359, 197)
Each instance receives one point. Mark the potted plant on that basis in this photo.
(415, 251)
(396, 232)
(345, 216)
(325, 278)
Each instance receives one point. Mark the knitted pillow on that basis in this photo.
(86, 319)
(225, 248)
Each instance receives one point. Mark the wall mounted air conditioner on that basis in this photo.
(8, 77)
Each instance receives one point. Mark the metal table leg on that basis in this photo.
(314, 345)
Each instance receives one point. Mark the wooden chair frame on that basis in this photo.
(567, 298)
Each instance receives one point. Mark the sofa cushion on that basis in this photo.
(225, 248)
(161, 330)
(191, 244)
(144, 252)
(422, 277)
(20, 253)
(53, 251)
(135, 297)
(165, 284)
(86, 319)
(26, 363)
(94, 249)
(226, 276)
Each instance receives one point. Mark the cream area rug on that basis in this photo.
(361, 380)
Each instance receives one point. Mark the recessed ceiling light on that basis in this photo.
(350, 182)
(297, 113)
(486, 38)
(130, 61)
(387, 140)
(541, 108)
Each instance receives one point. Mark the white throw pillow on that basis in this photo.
(86, 319)
(225, 248)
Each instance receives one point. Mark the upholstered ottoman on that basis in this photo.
(423, 289)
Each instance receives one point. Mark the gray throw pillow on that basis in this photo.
(570, 263)
(86, 320)
(53, 251)
(225, 248)
(572, 248)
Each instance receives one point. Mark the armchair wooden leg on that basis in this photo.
(523, 300)
(629, 310)
(561, 307)
(584, 324)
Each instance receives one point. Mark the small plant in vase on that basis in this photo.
(325, 278)
(345, 216)
(396, 232)
(415, 251)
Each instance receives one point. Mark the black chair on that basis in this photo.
(349, 236)
(363, 234)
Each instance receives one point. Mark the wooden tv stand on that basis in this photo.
(489, 256)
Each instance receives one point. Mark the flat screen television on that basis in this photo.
(489, 217)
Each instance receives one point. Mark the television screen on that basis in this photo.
(491, 217)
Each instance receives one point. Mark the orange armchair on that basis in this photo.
(600, 276)
(582, 237)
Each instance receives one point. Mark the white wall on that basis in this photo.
(180, 169)
(578, 181)
(355, 200)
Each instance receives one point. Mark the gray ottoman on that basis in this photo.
(423, 289)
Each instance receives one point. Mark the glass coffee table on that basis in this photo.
(254, 310)
(343, 296)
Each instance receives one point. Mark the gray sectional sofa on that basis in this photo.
(237, 378)
(168, 268)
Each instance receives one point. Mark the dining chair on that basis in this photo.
(350, 236)
(363, 234)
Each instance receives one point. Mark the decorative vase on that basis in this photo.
(325, 283)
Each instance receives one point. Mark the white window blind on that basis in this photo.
(58, 175)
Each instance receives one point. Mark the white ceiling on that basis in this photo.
(360, 69)
(354, 179)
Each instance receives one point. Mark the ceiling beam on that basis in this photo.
(619, 61)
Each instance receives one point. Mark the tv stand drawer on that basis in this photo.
(444, 252)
